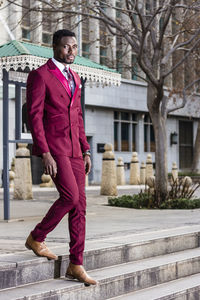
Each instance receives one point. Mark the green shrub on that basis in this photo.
(144, 200)
(181, 204)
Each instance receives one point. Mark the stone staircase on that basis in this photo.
(153, 265)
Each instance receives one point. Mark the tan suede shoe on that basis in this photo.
(40, 249)
(79, 273)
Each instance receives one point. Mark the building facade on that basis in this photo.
(116, 115)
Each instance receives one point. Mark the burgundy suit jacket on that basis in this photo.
(55, 118)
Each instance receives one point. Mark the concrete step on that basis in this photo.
(114, 280)
(180, 289)
(23, 268)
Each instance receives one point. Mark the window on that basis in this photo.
(125, 131)
(185, 144)
(149, 138)
(47, 25)
(26, 34)
(103, 43)
(118, 7)
(103, 57)
(25, 20)
(134, 67)
(85, 37)
(46, 38)
(85, 50)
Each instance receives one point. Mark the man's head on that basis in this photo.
(64, 46)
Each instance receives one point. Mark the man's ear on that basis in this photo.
(54, 47)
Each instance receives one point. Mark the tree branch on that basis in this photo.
(184, 96)
(182, 60)
(165, 59)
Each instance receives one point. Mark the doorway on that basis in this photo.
(185, 144)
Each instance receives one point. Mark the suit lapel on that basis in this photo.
(57, 73)
(76, 86)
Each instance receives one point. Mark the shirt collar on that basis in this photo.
(59, 65)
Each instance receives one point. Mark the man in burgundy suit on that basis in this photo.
(56, 124)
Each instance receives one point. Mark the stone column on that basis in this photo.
(23, 177)
(126, 50)
(36, 20)
(15, 15)
(149, 167)
(111, 49)
(174, 172)
(76, 27)
(109, 178)
(120, 172)
(142, 173)
(94, 40)
(135, 170)
(58, 22)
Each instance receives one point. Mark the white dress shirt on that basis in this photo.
(61, 67)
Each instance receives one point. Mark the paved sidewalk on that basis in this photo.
(102, 220)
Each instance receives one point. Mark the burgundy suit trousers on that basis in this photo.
(70, 183)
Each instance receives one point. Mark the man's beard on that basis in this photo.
(64, 60)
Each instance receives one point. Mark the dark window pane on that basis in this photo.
(125, 135)
(85, 29)
(119, 57)
(116, 136)
(116, 115)
(146, 118)
(25, 34)
(134, 117)
(85, 50)
(25, 13)
(185, 144)
(185, 156)
(145, 137)
(46, 38)
(185, 132)
(152, 139)
(124, 116)
(134, 137)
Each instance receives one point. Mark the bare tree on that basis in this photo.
(163, 34)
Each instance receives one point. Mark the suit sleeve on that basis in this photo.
(82, 137)
(35, 109)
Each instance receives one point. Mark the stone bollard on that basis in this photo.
(174, 172)
(149, 167)
(135, 170)
(12, 174)
(11, 179)
(46, 181)
(142, 173)
(120, 172)
(187, 181)
(23, 177)
(86, 180)
(151, 183)
(108, 178)
(186, 184)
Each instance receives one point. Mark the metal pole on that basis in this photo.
(18, 115)
(83, 81)
(6, 191)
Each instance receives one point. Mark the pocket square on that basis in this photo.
(80, 86)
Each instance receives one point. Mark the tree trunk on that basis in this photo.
(196, 157)
(159, 125)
